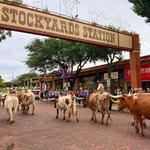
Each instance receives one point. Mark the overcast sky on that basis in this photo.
(117, 13)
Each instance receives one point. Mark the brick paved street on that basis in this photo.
(43, 132)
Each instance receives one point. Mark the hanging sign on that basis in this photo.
(24, 19)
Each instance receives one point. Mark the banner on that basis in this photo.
(24, 19)
(145, 73)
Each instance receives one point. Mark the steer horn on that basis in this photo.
(115, 97)
(114, 101)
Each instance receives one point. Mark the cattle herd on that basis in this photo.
(137, 103)
(13, 100)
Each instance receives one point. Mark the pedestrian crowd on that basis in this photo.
(83, 92)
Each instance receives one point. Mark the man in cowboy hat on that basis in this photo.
(100, 87)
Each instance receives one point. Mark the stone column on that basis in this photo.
(135, 65)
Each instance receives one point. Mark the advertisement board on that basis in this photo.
(145, 73)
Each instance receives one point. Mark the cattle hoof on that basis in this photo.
(137, 131)
(132, 123)
(106, 124)
(11, 146)
(64, 118)
(68, 120)
(142, 135)
(102, 123)
(32, 113)
(8, 119)
(77, 120)
(95, 121)
(56, 117)
(12, 121)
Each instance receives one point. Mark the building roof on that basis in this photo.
(117, 64)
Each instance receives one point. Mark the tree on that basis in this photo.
(142, 8)
(4, 34)
(45, 55)
(20, 79)
(110, 55)
(2, 84)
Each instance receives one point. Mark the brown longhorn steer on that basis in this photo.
(99, 101)
(139, 106)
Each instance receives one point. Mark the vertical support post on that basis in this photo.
(135, 64)
(53, 83)
(28, 83)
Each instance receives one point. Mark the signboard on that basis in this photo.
(65, 73)
(145, 73)
(23, 19)
(114, 75)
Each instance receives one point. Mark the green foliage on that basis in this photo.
(52, 53)
(16, 2)
(142, 8)
(4, 90)
(20, 80)
(1, 80)
(2, 84)
(8, 84)
(48, 54)
(4, 34)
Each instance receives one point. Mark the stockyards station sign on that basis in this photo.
(23, 19)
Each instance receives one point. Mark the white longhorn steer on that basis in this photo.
(11, 105)
(67, 103)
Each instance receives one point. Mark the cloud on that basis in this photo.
(10, 66)
(13, 55)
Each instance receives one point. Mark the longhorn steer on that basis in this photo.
(67, 103)
(11, 105)
(98, 101)
(139, 106)
(26, 100)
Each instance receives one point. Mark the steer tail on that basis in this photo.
(73, 107)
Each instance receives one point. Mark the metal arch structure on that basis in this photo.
(26, 19)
